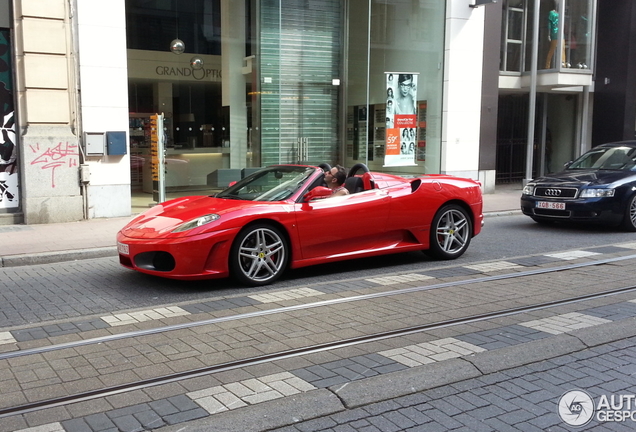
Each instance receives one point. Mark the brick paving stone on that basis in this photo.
(149, 419)
(76, 425)
(318, 424)
(471, 423)
(163, 407)
(99, 422)
(343, 428)
(129, 410)
(328, 382)
(185, 416)
(127, 423)
(382, 407)
(399, 419)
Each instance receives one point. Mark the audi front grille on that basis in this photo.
(555, 192)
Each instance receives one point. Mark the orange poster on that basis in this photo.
(392, 142)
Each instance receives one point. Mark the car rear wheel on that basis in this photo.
(451, 232)
(259, 255)
(629, 221)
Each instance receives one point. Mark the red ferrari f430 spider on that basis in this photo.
(283, 217)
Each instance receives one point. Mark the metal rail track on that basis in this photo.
(108, 391)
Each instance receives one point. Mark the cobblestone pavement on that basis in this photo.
(535, 371)
(523, 398)
(482, 375)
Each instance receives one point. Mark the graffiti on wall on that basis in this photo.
(63, 155)
(8, 149)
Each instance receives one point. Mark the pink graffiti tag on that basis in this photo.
(60, 155)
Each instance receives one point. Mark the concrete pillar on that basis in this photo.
(461, 111)
(49, 147)
(233, 81)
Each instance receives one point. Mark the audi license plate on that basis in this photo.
(551, 205)
(122, 248)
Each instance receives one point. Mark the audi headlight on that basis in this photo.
(596, 193)
(529, 189)
(196, 222)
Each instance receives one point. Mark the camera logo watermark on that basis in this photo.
(576, 407)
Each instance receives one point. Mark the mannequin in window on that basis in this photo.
(553, 36)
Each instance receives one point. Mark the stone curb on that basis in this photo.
(502, 213)
(57, 256)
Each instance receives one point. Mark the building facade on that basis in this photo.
(403, 86)
(546, 84)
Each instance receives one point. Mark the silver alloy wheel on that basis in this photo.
(452, 231)
(632, 212)
(261, 255)
(629, 220)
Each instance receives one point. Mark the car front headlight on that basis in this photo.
(529, 189)
(596, 193)
(196, 222)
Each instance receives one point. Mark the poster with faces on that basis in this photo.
(401, 119)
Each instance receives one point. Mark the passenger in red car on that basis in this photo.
(335, 179)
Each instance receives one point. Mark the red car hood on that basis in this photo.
(159, 221)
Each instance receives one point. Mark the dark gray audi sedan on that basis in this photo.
(598, 187)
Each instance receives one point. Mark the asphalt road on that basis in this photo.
(96, 286)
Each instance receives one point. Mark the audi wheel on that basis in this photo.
(629, 220)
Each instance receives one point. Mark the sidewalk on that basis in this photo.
(95, 238)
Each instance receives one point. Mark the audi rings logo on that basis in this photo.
(576, 407)
(553, 192)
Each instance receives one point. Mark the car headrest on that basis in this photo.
(354, 184)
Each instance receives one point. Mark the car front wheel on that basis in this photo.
(451, 232)
(259, 255)
(629, 220)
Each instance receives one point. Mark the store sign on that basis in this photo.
(187, 71)
(401, 119)
(169, 67)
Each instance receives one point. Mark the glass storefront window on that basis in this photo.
(187, 88)
(394, 50)
(577, 32)
(286, 82)
(513, 30)
(299, 57)
(155, 23)
(564, 34)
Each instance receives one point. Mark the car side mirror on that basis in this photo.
(317, 193)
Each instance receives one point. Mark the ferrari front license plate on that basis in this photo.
(551, 205)
(122, 248)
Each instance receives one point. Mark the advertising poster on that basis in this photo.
(401, 119)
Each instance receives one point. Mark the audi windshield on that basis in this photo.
(607, 158)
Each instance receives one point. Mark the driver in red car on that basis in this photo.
(335, 179)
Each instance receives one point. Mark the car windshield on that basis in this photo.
(607, 158)
(275, 183)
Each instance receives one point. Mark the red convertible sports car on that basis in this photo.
(282, 216)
